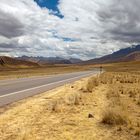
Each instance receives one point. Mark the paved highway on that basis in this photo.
(17, 89)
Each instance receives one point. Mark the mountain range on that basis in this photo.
(50, 60)
(123, 55)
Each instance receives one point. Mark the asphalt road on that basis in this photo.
(17, 89)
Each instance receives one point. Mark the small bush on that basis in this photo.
(55, 105)
(73, 99)
(138, 100)
(137, 132)
(92, 83)
(52, 106)
(111, 117)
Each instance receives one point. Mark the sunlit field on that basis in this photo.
(105, 107)
(21, 72)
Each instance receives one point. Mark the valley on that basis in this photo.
(102, 107)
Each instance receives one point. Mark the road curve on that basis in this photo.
(17, 89)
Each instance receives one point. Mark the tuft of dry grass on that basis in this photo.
(137, 132)
(55, 106)
(92, 83)
(73, 99)
(59, 105)
(114, 117)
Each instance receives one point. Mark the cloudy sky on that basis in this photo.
(68, 28)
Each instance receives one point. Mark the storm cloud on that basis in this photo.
(121, 20)
(88, 29)
(10, 26)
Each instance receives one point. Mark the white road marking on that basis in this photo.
(25, 79)
(43, 86)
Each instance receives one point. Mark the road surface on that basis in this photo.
(17, 89)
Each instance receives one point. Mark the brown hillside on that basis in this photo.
(123, 55)
(135, 56)
(9, 61)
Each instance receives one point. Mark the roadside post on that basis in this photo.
(101, 68)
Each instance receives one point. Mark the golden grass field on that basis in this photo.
(103, 107)
(21, 72)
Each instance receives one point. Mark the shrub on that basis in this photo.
(92, 83)
(137, 132)
(111, 117)
(55, 105)
(73, 99)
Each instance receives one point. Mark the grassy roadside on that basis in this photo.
(104, 107)
(7, 73)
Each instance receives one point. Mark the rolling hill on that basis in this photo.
(135, 56)
(123, 55)
(13, 62)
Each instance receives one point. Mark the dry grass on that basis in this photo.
(114, 117)
(7, 73)
(123, 100)
(60, 104)
(92, 83)
(112, 99)
(73, 99)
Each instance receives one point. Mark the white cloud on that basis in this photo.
(96, 28)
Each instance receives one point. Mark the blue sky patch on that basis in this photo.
(66, 39)
(51, 5)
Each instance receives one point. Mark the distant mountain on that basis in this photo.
(75, 60)
(13, 62)
(50, 60)
(135, 56)
(54, 60)
(126, 54)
